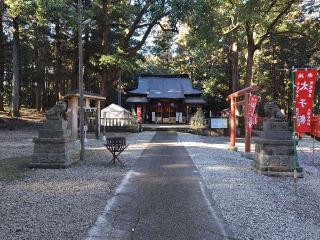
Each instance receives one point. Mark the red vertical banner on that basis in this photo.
(139, 114)
(305, 81)
(253, 100)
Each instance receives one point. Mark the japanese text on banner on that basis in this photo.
(305, 81)
(139, 114)
(253, 103)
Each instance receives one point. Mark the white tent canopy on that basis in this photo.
(114, 111)
(114, 115)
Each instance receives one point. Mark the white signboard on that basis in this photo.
(177, 116)
(180, 117)
(153, 116)
(219, 123)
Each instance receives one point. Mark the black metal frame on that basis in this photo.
(116, 145)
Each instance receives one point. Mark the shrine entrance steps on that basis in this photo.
(166, 127)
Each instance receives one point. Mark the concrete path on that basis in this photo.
(163, 197)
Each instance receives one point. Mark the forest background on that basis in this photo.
(224, 45)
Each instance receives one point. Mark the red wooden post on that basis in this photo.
(232, 121)
(232, 118)
(246, 120)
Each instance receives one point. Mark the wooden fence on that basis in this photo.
(117, 122)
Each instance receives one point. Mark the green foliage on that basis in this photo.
(197, 121)
(119, 60)
(135, 125)
(189, 36)
(18, 7)
(212, 26)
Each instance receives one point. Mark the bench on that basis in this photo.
(116, 145)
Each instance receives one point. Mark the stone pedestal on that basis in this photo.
(54, 148)
(274, 151)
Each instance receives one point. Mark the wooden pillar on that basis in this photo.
(143, 113)
(187, 115)
(161, 113)
(232, 124)
(98, 120)
(232, 118)
(246, 123)
(74, 116)
(87, 102)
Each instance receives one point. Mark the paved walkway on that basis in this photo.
(163, 197)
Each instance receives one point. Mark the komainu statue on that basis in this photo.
(273, 111)
(274, 149)
(57, 111)
(54, 147)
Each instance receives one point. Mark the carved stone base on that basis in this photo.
(270, 172)
(233, 148)
(54, 148)
(274, 151)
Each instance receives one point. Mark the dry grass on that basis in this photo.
(27, 114)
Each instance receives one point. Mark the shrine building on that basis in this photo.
(165, 98)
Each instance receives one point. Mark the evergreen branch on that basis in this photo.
(235, 28)
(273, 24)
(131, 51)
(135, 24)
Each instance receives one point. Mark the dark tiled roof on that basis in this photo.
(85, 94)
(195, 100)
(137, 100)
(165, 86)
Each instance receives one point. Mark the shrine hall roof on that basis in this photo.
(165, 86)
(86, 94)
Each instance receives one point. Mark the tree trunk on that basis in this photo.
(235, 66)
(275, 87)
(40, 69)
(107, 87)
(74, 81)
(106, 78)
(1, 57)
(16, 70)
(86, 53)
(39, 96)
(20, 73)
(251, 48)
(249, 66)
(44, 95)
(32, 92)
(228, 67)
(60, 80)
(40, 101)
(86, 62)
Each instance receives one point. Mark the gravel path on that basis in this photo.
(256, 206)
(16, 143)
(63, 204)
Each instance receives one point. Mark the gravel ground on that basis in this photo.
(16, 143)
(63, 204)
(256, 206)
